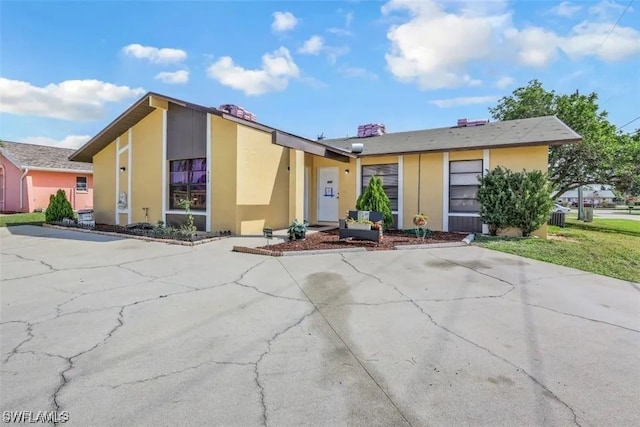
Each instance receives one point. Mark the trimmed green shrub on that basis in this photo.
(59, 208)
(496, 201)
(376, 200)
(515, 199)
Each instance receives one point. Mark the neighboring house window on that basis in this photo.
(388, 174)
(463, 186)
(81, 183)
(188, 181)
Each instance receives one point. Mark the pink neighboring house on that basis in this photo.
(30, 173)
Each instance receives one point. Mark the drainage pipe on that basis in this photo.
(26, 171)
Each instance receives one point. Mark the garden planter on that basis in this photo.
(298, 235)
(358, 226)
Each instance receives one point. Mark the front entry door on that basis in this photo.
(328, 194)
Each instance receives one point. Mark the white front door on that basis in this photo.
(307, 171)
(328, 194)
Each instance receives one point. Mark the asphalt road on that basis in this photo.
(124, 332)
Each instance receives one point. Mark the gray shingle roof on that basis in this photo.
(548, 130)
(42, 156)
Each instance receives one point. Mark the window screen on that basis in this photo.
(388, 174)
(464, 185)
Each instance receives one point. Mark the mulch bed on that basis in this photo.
(391, 238)
(107, 228)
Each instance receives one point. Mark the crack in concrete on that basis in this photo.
(357, 359)
(365, 304)
(507, 361)
(531, 377)
(177, 372)
(575, 315)
(70, 360)
(259, 384)
(267, 293)
(30, 336)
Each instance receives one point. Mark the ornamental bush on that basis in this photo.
(515, 199)
(376, 200)
(59, 208)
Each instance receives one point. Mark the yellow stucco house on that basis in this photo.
(243, 176)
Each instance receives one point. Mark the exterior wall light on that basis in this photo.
(346, 171)
(122, 169)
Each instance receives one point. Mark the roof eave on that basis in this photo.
(481, 147)
(46, 169)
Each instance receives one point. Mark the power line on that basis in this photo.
(616, 24)
(628, 123)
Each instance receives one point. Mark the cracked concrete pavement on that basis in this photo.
(125, 332)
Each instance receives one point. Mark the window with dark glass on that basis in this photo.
(81, 183)
(388, 174)
(464, 185)
(188, 181)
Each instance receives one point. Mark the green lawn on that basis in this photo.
(35, 218)
(606, 246)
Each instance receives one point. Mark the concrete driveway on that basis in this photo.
(124, 332)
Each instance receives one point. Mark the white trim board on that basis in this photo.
(445, 191)
(400, 191)
(164, 166)
(358, 177)
(117, 213)
(179, 212)
(129, 185)
(486, 164)
(209, 160)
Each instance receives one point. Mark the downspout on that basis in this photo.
(26, 171)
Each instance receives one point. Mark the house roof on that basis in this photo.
(548, 130)
(143, 107)
(42, 157)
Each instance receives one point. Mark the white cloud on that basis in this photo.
(68, 100)
(348, 19)
(283, 21)
(538, 46)
(313, 46)
(176, 77)
(430, 49)
(566, 9)
(357, 72)
(465, 100)
(587, 39)
(71, 141)
(277, 69)
(505, 81)
(334, 52)
(607, 9)
(156, 55)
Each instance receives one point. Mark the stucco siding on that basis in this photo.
(517, 159)
(11, 185)
(422, 189)
(262, 182)
(224, 138)
(43, 184)
(104, 180)
(346, 185)
(146, 168)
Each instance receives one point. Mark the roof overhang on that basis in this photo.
(75, 171)
(311, 147)
(481, 147)
(138, 111)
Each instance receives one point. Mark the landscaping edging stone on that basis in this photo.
(322, 251)
(133, 236)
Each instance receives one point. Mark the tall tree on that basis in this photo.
(603, 156)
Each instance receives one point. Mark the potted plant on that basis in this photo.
(297, 230)
(420, 220)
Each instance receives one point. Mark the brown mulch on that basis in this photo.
(391, 238)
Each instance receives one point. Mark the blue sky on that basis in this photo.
(307, 67)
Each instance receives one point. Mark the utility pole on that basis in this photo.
(580, 204)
